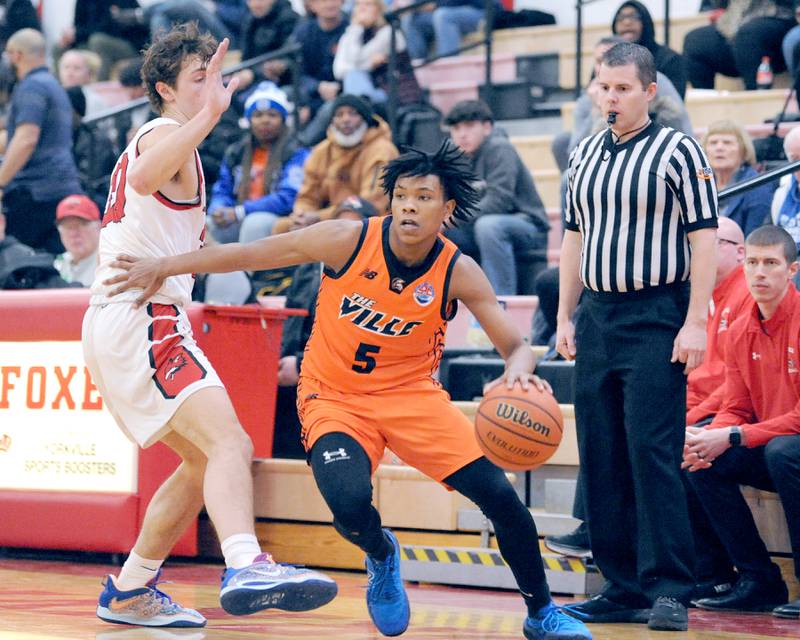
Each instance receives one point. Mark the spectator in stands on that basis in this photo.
(79, 68)
(78, 222)
(96, 30)
(786, 201)
(130, 77)
(261, 174)
(348, 163)
(789, 46)
(443, 22)
(667, 108)
(161, 15)
(38, 169)
(735, 43)
(732, 157)
(267, 27)
(318, 36)
(19, 14)
(754, 440)
(511, 222)
(361, 62)
(23, 268)
(729, 300)
(633, 22)
(302, 294)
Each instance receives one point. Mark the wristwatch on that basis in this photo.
(735, 437)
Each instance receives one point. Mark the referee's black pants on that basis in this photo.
(630, 409)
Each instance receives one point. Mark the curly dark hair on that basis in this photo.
(450, 165)
(166, 56)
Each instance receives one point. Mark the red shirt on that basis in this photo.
(762, 376)
(730, 299)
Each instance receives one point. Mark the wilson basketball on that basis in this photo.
(518, 430)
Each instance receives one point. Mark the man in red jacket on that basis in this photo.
(755, 438)
(730, 298)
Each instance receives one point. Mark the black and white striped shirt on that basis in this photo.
(633, 207)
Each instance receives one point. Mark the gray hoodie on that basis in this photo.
(505, 182)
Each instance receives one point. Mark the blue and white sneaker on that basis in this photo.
(551, 623)
(268, 585)
(387, 601)
(145, 607)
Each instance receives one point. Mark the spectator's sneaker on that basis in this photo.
(268, 585)
(575, 543)
(668, 614)
(145, 607)
(551, 623)
(387, 601)
(713, 588)
(600, 609)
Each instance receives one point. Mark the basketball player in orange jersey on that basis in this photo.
(156, 382)
(390, 286)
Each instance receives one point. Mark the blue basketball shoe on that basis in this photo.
(387, 601)
(551, 623)
(146, 607)
(268, 585)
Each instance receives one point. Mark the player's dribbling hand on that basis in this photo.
(138, 273)
(218, 96)
(690, 346)
(565, 339)
(523, 378)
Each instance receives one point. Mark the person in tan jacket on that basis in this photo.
(347, 163)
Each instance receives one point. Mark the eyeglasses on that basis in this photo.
(629, 15)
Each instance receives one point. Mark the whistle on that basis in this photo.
(612, 117)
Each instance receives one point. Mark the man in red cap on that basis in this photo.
(78, 222)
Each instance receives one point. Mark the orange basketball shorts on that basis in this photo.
(416, 421)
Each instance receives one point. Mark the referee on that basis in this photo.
(641, 217)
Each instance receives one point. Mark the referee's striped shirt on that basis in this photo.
(634, 205)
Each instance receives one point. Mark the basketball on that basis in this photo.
(518, 430)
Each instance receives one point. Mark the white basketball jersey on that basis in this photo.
(151, 226)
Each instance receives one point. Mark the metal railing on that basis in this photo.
(393, 19)
(94, 124)
(757, 181)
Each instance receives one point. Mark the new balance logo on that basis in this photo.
(333, 456)
(756, 355)
(369, 274)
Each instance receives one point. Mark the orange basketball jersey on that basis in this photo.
(380, 324)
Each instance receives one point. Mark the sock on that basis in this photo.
(385, 549)
(240, 550)
(137, 572)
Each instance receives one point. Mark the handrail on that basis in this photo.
(287, 51)
(757, 181)
(97, 176)
(392, 18)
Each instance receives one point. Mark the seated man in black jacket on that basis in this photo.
(23, 268)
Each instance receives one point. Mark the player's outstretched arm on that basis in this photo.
(162, 156)
(331, 242)
(470, 285)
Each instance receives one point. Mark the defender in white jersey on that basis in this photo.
(153, 377)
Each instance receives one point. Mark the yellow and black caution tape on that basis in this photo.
(486, 558)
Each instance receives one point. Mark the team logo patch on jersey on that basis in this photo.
(424, 294)
(705, 173)
(397, 285)
(369, 274)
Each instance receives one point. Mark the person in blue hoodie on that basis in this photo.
(260, 175)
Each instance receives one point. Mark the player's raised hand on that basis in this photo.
(138, 273)
(218, 96)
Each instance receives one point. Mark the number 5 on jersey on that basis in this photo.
(363, 361)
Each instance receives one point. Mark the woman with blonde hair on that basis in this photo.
(732, 158)
(362, 57)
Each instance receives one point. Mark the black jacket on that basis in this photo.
(668, 62)
(270, 32)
